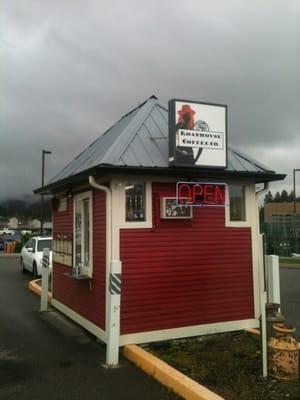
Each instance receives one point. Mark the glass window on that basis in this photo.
(33, 245)
(82, 233)
(237, 203)
(28, 244)
(135, 200)
(44, 244)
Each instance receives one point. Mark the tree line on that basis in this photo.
(24, 208)
(284, 196)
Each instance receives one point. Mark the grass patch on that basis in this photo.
(289, 260)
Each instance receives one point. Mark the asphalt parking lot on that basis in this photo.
(46, 356)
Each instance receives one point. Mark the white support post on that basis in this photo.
(45, 279)
(273, 279)
(263, 301)
(263, 327)
(113, 328)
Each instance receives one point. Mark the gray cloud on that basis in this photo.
(71, 69)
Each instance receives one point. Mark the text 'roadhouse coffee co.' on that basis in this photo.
(201, 194)
(197, 134)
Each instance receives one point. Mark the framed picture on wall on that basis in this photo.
(169, 209)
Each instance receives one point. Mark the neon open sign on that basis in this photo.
(204, 194)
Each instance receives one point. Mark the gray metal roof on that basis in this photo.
(140, 139)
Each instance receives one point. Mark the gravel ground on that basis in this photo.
(228, 364)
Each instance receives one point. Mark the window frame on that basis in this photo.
(247, 221)
(62, 205)
(80, 197)
(148, 205)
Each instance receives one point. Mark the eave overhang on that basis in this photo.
(180, 172)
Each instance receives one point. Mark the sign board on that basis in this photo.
(204, 194)
(197, 134)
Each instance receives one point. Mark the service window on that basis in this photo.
(83, 233)
(237, 203)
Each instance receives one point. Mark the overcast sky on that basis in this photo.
(70, 69)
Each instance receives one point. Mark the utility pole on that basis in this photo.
(44, 152)
(294, 186)
(295, 209)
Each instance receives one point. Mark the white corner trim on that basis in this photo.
(116, 220)
(189, 331)
(257, 252)
(248, 199)
(89, 326)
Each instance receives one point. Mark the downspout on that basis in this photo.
(107, 191)
(112, 336)
(264, 189)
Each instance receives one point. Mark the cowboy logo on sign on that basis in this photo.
(197, 134)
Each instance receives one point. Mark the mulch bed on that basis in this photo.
(229, 364)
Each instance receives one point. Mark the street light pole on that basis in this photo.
(44, 152)
(294, 186)
(295, 209)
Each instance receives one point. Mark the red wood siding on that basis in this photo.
(183, 273)
(87, 299)
(63, 221)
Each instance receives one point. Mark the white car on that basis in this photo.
(32, 254)
(7, 232)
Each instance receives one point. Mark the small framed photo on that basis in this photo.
(170, 209)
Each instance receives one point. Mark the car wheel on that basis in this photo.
(34, 271)
(23, 269)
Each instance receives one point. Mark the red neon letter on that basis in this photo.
(209, 194)
(188, 197)
(220, 195)
(196, 194)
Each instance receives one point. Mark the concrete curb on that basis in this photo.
(167, 375)
(253, 330)
(34, 287)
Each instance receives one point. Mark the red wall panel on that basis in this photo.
(185, 272)
(63, 221)
(87, 298)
